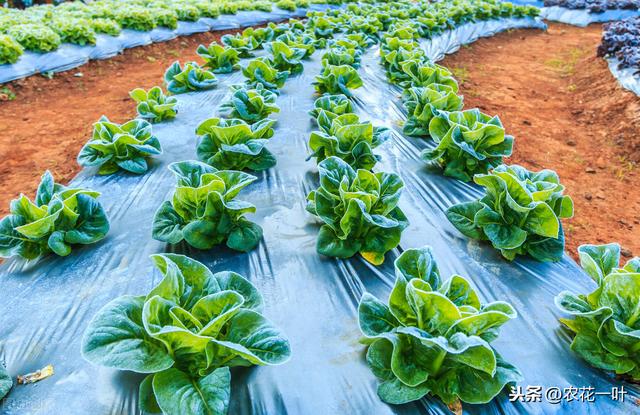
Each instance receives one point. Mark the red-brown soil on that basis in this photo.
(552, 93)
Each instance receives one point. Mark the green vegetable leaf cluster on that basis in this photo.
(299, 41)
(520, 213)
(395, 52)
(243, 45)
(218, 58)
(251, 104)
(59, 218)
(261, 71)
(234, 144)
(427, 73)
(346, 137)
(424, 103)
(433, 337)
(339, 55)
(285, 58)
(204, 211)
(35, 37)
(606, 322)
(139, 18)
(154, 105)
(336, 104)
(259, 35)
(359, 210)
(190, 78)
(114, 146)
(185, 334)
(76, 31)
(338, 80)
(10, 50)
(468, 142)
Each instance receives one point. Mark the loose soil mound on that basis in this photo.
(550, 90)
(567, 113)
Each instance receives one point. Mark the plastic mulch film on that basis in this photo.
(46, 306)
(582, 17)
(627, 77)
(451, 41)
(70, 56)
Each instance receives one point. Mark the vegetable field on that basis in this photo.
(310, 218)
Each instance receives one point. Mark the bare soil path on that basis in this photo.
(550, 90)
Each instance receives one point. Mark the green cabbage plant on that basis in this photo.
(285, 58)
(336, 104)
(259, 35)
(105, 26)
(59, 218)
(154, 105)
(606, 322)
(321, 27)
(337, 80)
(35, 37)
(190, 78)
(360, 39)
(469, 142)
(427, 73)
(76, 31)
(395, 59)
(337, 56)
(434, 337)
(261, 71)
(138, 18)
(204, 211)
(10, 50)
(251, 104)
(120, 146)
(423, 103)
(520, 213)
(286, 5)
(348, 138)
(244, 45)
(208, 9)
(299, 41)
(218, 58)
(359, 210)
(234, 144)
(184, 335)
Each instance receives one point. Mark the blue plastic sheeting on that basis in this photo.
(582, 17)
(46, 305)
(70, 56)
(627, 77)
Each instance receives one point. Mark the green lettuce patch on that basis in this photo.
(204, 211)
(359, 210)
(185, 334)
(606, 322)
(59, 218)
(433, 337)
(520, 213)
